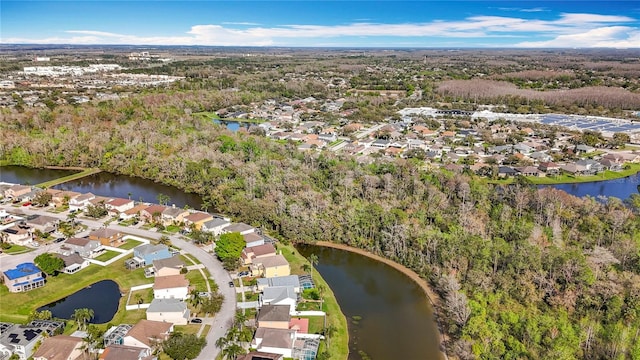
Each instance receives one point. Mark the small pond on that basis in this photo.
(233, 125)
(102, 297)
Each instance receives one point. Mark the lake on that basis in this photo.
(389, 315)
(620, 188)
(102, 297)
(28, 176)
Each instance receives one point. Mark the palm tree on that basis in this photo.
(240, 319)
(164, 240)
(195, 299)
(313, 260)
(82, 316)
(232, 351)
(329, 332)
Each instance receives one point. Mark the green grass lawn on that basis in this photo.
(189, 261)
(146, 296)
(16, 307)
(172, 229)
(196, 280)
(187, 329)
(130, 244)
(107, 255)
(316, 324)
(339, 348)
(16, 249)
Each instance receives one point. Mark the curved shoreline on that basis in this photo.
(433, 298)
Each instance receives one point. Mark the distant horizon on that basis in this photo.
(325, 24)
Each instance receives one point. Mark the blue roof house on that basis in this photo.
(26, 276)
(149, 253)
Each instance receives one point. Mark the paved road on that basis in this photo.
(222, 320)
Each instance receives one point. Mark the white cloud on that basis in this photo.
(610, 37)
(573, 30)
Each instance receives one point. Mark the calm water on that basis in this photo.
(396, 318)
(103, 297)
(620, 188)
(107, 184)
(29, 176)
(233, 125)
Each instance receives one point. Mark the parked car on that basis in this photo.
(231, 284)
(196, 321)
(58, 240)
(243, 273)
(27, 203)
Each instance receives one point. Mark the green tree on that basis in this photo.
(96, 211)
(213, 304)
(163, 199)
(230, 246)
(183, 346)
(49, 263)
(313, 260)
(42, 198)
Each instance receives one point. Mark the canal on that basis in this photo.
(389, 316)
(102, 297)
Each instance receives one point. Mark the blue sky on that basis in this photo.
(447, 24)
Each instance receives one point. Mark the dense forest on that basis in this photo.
(521, 272)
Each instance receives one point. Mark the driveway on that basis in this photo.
(221, 321)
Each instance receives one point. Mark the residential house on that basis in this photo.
(608, 164)
(84, 247)
(506, 171)
(253, 239)
(44, 224)
(291, 280)
(274, 316)
(74, 263)
(260, 355)
(592, 167)
(152, 213)
(279, 295)
(60, 347)
(582, 148)
(257, 252)
(550, 168)
(107, 236)
(530, 171)
(241, 228)
(271, 266)
(115, 334)
(196, 219)
(133, 212)
(279, 341)
(15, 191)
(380, 143)
(573, 169)
(215, 226)
(63, 197)
(149, 252)
(171, 287)
(522, 148)
(24, 277)
(147, 334)
(168, 266)
(173, 215)
(81, 202)
(22, 340)
(118, 206)
(18, 235)
(540, 156)
(122, 352)
(171, 311)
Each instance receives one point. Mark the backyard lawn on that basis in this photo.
(107, 255)
(130, 244)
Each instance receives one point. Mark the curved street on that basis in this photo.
(221, 321)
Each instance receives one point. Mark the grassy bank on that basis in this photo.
(339, 348)
(571, 179)
(85, 172)
(16, 307)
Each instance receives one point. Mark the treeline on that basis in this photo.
(523, 273)
(490, 91)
